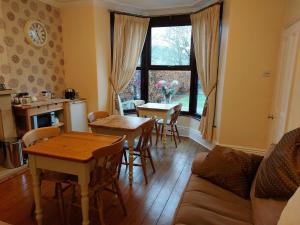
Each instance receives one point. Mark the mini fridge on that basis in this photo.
(77, 115)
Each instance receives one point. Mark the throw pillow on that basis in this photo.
(279, 175)
(230, 169)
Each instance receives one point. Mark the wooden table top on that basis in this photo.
(74, 146)
(157, 106)
(126, 123)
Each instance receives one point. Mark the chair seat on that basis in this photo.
(103, 178)
(161, 121)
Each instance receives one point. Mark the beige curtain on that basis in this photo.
(129, 38)
(205, 30)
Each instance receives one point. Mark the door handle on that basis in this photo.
(271, 116)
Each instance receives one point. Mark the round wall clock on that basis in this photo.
(35, 33)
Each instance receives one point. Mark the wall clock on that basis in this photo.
(35, 33)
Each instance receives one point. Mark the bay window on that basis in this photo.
(167, 56)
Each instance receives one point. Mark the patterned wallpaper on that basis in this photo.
(23, 67)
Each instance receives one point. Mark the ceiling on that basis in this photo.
(144, 7)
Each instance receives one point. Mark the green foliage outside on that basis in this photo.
(171, 45)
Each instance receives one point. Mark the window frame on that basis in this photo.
(165, 21)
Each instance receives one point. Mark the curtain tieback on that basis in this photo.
(117, 107)
(204, 112)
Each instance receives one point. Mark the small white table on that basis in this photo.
(69, 153)
(159, 110)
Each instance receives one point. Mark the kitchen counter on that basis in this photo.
(41, 103)
(27, 115)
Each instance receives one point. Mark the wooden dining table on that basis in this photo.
(121, 125)
(69, 153)
(158, 110)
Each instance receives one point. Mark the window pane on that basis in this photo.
(171, 45)
(200, 99)
(182, 89)
(132, 91)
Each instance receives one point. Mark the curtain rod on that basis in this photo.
(137, 15)
(128, 14)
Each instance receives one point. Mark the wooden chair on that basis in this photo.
(142, 148)
(93, 116)
(104, 177)
(172, 123)
(137, 103)
(38, 135)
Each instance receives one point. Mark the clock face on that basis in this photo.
(36, 33)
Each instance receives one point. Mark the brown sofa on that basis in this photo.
(204, 203)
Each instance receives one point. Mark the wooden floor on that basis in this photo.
(150, 204)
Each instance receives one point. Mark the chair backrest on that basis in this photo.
(93, 116)
(40, 134)
(108, 159)
(144, 140)
(176, 113)
(137, 103)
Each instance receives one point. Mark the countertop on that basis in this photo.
(41, 103)
(47, 102)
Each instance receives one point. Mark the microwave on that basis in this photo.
(43, 120)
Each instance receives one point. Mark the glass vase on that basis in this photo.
(167, 99)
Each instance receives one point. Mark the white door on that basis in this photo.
(284, 82)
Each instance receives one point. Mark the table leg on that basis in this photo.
(84, 180)
(165, 131)
(36, 190)
(130, 146)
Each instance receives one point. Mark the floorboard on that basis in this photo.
(152, 204)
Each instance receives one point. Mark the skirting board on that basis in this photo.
(197, 137)
(257, 151)
(6, 174)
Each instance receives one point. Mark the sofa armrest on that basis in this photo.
(200, 157)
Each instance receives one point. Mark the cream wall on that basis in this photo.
(80, 54)
(86, 33)
(252, 30)
(103, 53)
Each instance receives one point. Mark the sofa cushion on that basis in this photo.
(200, 157)
(191, 215)
(204, 203)
(290, 214)
(199, 184)
(231, 169)
(265, 211)
(279, 175)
